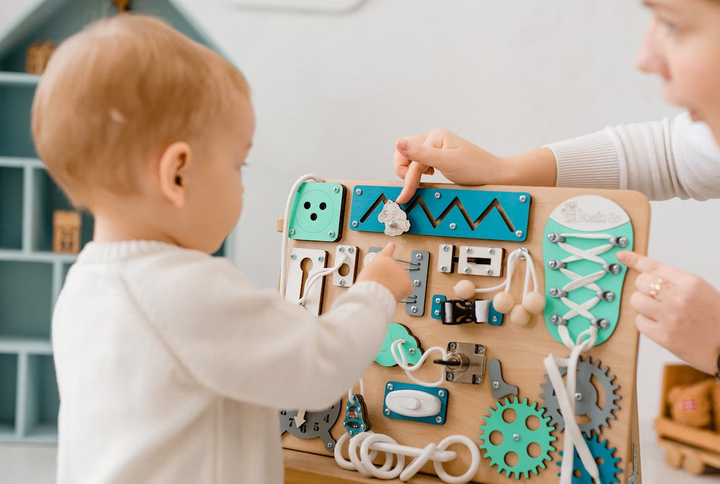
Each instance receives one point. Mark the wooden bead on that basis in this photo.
(534, 302)
(503, 302)
(464, 289)
(519, 316)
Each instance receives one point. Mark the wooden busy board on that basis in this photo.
(521, 350)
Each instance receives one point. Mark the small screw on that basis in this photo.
(466, 270)
(446, 247)
(390, 386)
(341, 282)
(494, 319)
(355, 223)
(478, 380)
(341, 249)
(438, 194)
(351, 250)
(489, 272)
(449, 377)
(418, 256)
(523, 198)
(612, 268)
(392, 225)
(321, 258)
(468, 250)
(329, 445)
(411, 351)
(555, 237)
(578, 396)
(557, 320)
(292, 231)
(453, 226)
(436, 312)
(336, 190)
(496, 385)
(480, 349)
(416, 283)
(516, 437)
(443, 268)
(452, 346)
(441, 393)
(358, 192)
(555, 264)
(438, 300)
(387, 411)
(413, 309)
(331, 234)
(519, 233)
(491, 251)
(438, 419)
(293, 256)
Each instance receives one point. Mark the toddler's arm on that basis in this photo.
(253, 346)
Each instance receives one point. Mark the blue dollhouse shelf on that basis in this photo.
(31, 275)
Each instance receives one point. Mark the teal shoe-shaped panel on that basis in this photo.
(443, 212)
(579, 217)
(316, 212)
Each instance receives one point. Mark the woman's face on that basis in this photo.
(682, 45)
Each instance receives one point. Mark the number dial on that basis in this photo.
(317, 424)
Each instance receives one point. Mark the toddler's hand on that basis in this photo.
(683, 315)
(385, 270)
(458, 160)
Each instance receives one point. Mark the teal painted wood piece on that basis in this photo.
(441, 394)
(443, 212)
(316, 212)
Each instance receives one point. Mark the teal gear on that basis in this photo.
(608, 469)
(517, 437)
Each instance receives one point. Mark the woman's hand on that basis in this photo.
(677, 310)
(464, 163)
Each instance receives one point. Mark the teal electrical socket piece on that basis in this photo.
(316, 213)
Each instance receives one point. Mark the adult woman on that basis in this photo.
(672, 158)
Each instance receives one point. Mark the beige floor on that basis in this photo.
(36, 465)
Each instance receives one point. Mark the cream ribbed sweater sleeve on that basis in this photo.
(251, 345)
(665, 159)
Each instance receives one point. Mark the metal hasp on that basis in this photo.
(317, 211)
(415, 403)
(466, 214)
(499, 388)
(418, 267)
(481, 261)
(465, 363)
(312, 425)
(348, 279)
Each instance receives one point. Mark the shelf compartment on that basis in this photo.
(48, 197)
(11, 208)
(25, 299)
(41, 400)
(15, 135)
(8, 394)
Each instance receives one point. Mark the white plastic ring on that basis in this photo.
(474, 461)
(419, 461)
(386, 471)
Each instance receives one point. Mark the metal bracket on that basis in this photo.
(480, 261)
(465, 363)
(499, 388)
(418, 267)
(352, 252)
(445, 264)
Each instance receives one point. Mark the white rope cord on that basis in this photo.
(401, 360)
(351, 399)
(371, 444)
(319, 275)
(286, 225)
(513, 258)
(565, 391)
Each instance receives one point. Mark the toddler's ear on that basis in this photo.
(173, 169)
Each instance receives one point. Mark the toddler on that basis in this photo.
(170, 365)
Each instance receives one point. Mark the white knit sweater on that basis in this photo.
(671, 158)
(171, 366)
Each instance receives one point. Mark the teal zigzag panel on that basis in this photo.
(442, 212)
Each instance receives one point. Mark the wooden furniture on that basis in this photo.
(690, 448)
(31, 273)
(520, 349)
(66, 231)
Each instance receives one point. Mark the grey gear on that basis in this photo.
(587, 403)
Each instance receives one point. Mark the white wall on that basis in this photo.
(332, 92)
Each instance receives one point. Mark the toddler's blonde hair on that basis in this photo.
(117, 94)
